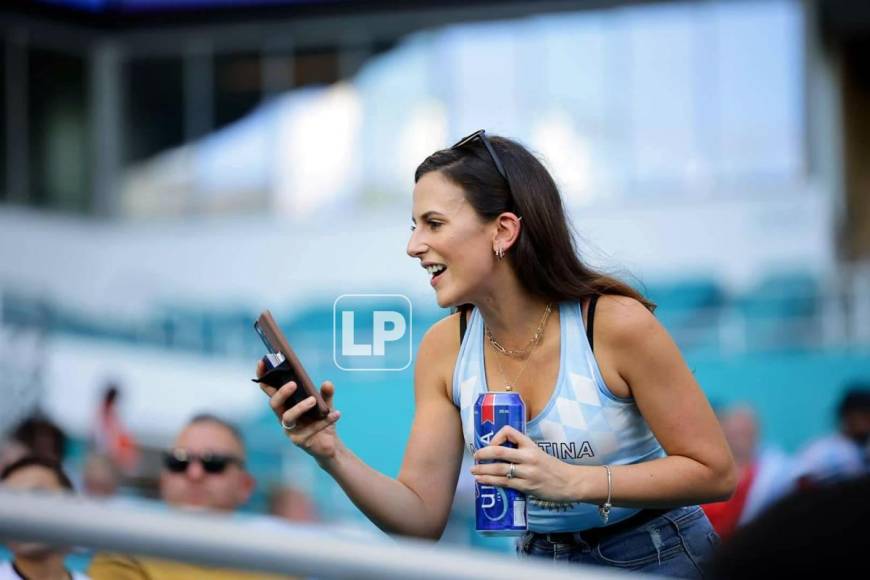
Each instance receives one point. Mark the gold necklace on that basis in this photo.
(508, 386)
(497, 348)
(523, 352)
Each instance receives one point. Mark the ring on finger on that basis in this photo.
(512, 471)
(288, 426)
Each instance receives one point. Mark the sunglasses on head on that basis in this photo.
(481, 134)
(178, 460)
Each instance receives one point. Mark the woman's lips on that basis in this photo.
(437, 278)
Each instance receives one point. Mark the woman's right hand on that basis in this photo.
(317, 437)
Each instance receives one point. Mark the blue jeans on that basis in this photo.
(678, 543)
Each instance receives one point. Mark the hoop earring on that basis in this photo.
(499, 253)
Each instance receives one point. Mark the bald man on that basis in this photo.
(204, 470)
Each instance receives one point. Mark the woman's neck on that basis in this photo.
(513, 316)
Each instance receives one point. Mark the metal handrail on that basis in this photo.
(218, 540)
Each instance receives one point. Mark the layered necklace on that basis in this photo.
(519, 354)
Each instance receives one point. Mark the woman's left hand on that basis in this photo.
(534, 472)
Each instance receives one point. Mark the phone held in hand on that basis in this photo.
(282, 366)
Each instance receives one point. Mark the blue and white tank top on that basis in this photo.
(583, 423)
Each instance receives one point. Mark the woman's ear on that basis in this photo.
(508, 226)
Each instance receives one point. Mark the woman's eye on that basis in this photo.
(413, 227)
(435, 225)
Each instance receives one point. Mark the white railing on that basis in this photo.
(217, 540)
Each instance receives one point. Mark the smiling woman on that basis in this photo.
(615, 417)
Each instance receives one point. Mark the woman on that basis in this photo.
(627, 426)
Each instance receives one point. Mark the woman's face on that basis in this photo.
(450, 240)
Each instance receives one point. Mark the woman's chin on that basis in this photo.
(444, 300)
(450, 302)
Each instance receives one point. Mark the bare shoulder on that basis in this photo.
(622, 320)
(437, 354)
(443, 336)
(624, 328)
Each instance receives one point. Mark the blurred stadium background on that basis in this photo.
(170, 168)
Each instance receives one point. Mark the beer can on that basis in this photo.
(498, 510)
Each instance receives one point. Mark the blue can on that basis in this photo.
(498, 510)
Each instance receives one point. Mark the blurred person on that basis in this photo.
(490, 228)
(764, 473)
(41, 437)
(845, 453)
(100, 476)
(34, 560)
(291, 504)
(815, 532)
(11, 451)
(111, 437)
(204, 470)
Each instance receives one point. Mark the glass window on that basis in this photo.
(759, 82)
(238, 86)
(4, 194)
(316, 66)
(154, 108)
(59, 135)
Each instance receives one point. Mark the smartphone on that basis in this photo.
(282, 366)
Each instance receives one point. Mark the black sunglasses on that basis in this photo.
(178, 460)
(481, 134)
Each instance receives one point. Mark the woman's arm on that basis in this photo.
(637, 357)
(699, 466)
(418, 502)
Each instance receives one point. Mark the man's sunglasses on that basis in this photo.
(481, 134)
(178, 460)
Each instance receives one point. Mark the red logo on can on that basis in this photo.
(487, 409)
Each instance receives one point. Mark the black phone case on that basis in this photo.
(280, 375)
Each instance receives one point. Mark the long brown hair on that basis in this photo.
(545, 255)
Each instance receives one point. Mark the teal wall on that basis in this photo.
(794, 393)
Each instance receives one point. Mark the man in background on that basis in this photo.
(844, 454)
(204, 470)
(35, 560)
